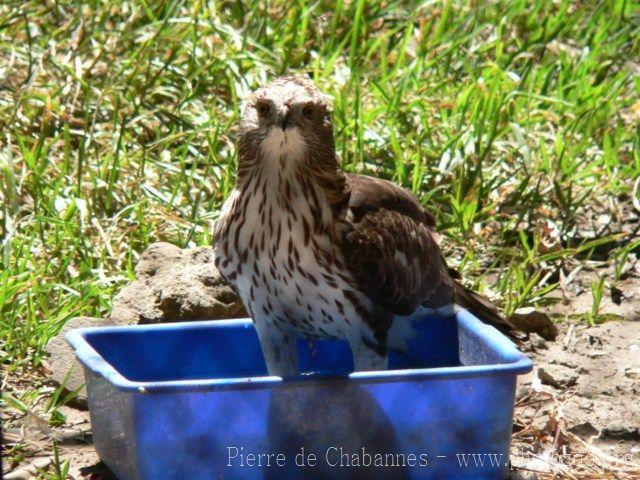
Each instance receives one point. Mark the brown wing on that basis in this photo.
(390, 247)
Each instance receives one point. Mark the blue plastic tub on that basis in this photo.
(193, 401)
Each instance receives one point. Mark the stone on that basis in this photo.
(175, 285)
(585, 404)
(621, 432)
(522, 391)
(171, 285)
(73, 417)
(557, 376)
(65, 369)
(537, 342)
(30, 471)
(530, 320)
(584, 430)
(597, 354)
(565, 359)
(632, 373)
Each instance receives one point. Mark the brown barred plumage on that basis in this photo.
(315, 252)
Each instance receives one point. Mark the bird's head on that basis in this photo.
(287, 119)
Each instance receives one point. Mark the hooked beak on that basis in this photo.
(284, 118)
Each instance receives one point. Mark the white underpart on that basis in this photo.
(291, 144)
(278, 340)
(280, 142)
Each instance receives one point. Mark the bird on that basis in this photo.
(319, 253)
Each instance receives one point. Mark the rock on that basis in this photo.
(65, 369)
(530, 320)
(73, 417)
(71, 436)
(620, 432)
(584, 430)
(632, 373)
(565, 360)
(30, 471)
(173, 285)
(557, 376)
(597, 353)
(616, 295)
(537, 342)
(585, 404)
(522, 391)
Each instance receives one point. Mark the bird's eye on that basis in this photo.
(262, 108)
(308, 111)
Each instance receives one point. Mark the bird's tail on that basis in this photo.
(482, 308)
(403, 328)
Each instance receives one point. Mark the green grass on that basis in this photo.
(516, 123)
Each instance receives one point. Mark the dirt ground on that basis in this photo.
(578, 412)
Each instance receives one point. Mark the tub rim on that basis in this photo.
(513, 362)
